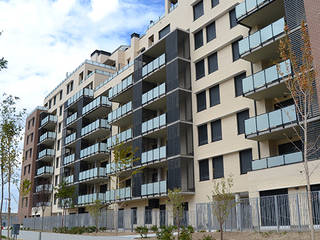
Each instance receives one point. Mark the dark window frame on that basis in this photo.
(214, 94)
(244, 169)
(214, 3)
(233, 18)
(203, 141)
(204, 174)
(198, 39)
(213, 66)
(216, 130)
(209, 28)
(241, 117)
(200, 74)
(238, 84)
(201, 101)
(200, 8)
(217, 162)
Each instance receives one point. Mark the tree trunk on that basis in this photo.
(1, 204)
(9, 202)
(221, 231)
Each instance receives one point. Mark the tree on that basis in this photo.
(3, 64)
(222, 200)
(95, 212)
(25, 187)
(65, 194)
(176, 201)
(301, 87)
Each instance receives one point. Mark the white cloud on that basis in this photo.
(102, 8)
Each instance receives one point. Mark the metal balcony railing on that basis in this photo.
(119, 112)
(45, 170)
(99, 101)
(120, 87)
(154, 188)
(94, 149)
(49, 118)
(100, 123)
(276, 161)
(155, 64)
(92, 173)
(47, 135)
(154, 93)
(119, 138)
(46, 152)
(68, 159)
(154, 155)
(154, 123)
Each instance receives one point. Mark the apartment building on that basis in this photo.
(200, 98)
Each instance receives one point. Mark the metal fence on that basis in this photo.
(280, 212)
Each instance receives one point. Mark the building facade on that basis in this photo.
(199, 97)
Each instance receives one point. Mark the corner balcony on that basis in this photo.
(263, 44)
(118, 194)
(96, 130)
(154, 97)
(277, 161)
(122, 92)
(70, 121)
(152, 126)
(45, 171)
(69, 180)
(153, 66)
(154, 155)
(97, 108)
(154, 189)
(124, 136)
(47, 138)
(259, 12)
(46, 155)
(272, 125)
(268, 83)
(70, 140)
(92, 174)
(121, 116)
(49, 121)
(83, 92)
(90, 198)
(44, 188)
(68, 159)
(96, 152)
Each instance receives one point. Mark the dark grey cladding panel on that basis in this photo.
(76, 171)
(137, 95)
(173, 141)
(174, 173)
(172, 75)
(172, 46)
(137, 122)
(295, 12)
(76, 194)
(78, 149)
(173, 108)
(79, 127)
(137, 147)
(297, 44)
(136, 184)
(138, 63)
(313, 140)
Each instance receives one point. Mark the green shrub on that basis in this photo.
(143, 231)
(91, 229)
(103, 229)
(166, 233)
(186, 234)
(154, 228)
(208, 237)
(190, 228)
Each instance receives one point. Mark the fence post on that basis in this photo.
(131, 213)
(298, 211)
(238, 212)
(277, 211)
(209, 217)
(258, 215)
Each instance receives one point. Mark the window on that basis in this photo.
(26, 202)
(211, 31)
(33, 122)
(198, 39)
(200, 69)
(60, 95)
(214, 3)
(204, 170)
(58, 144)
(238, 83)
(59, 127)
(57, 162)
(54, 100)
(31, 137)
(213, 63)
(245, 161)
(55, 199)
(71, 86)
(50, 103)
(235, 51)
(26, 153)
(233, 19)
(241, 116)
(56, 180)
(60, 110)
(201, 101)
(30, 152)
(29, 122)
(217, 163)
(24, 170)
(214, 95)
(28, 139)
(29, 166)
(202, 134)
(164, 31)
(216, 132)
(148, 215)
(134, 215)
(197, 10)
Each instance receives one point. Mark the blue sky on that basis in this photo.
(44, 39)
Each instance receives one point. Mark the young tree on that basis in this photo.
(222, 200)
(176, 201)
(3, 64)
(301, 87)
(95, 212)
(65, 194)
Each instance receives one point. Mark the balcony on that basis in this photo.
(277, 161)
(46, 155)
(49, 121)
(118, 194)
(154, 94)
(154, 155)
(263, 44)
(47, 138)
(272, 125)
(70, 139)
(259, 12)
(268, 83)
(83, 92)
(153, 124)
(69, 179)
(71, 119)
(44, 188)
(154, 65)
(40, 204)
(97, 107)
(98, 151)
(113, 167)
(91, 198)
(44, 171)
(68, 159)
(155, 188)
(92, 174)
(119, 92)
(119, 138)
(121, 115)
(95, 130)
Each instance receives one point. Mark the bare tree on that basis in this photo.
(95, 212)
(65, 194)
(176, 200)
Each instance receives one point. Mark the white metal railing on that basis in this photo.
(153, 123)
(44, 170)
(154, 93)
(46, 152)
(155, 64)
(68, 159)
(154, 155)
(119, 138)
(120, 87)
(92, 173)
(46, 136)
(99, 101)
(51, 118)
(100, 123)
(119, 112)
(154, 188)
(94, 149)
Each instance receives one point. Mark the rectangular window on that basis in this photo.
(28, 139)
(164, 31)
(214, 95)
(197, 10)
(31, 137)
(214, 3)
(50, 103)
(59, 127)
(29, 166)
(56, 180)
(202, 134)
(213, 63)
(235, 51)
(134, 215)
(204, 170)
(216, 131)
(201, 101)
(238, 84)
(30, 152)
(71, 86)
(241, 116)
(233, 18)
(60, 110)
(26, 202)
(217, 163)
(198, 39)
(54, 100)
(57, 162)
(33, 122)
(55, 199)
(60, 95)
(24, 170)
(58, 144)
(245, 161)
(29, 122)
(211, 31)
(148, 215)
(200, 69)
(26, 153)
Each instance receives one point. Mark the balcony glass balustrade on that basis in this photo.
(99, 101)
(47, 135)
(92, 173)
(154, 188)
(69, 179)
(271, 120)
(118, 194)
(260, 37)
(45, 187)
(154, 123)
(72, 137)
(121, 87)
(46, 152)
(68, 159)
(154, 93)
(49, 118)
(155, 64)
(91, 198)
(119, 112)
(100, 123)
(266, 77)
(94, 149)
(45, 170)
(247, 6)
(71, 118)
(112, 167)
(154, 155)
(277, 161)
(83, 92)
(119, 138)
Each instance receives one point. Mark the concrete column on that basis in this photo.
(238, 211)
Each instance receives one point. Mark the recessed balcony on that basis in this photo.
(154, 65)
(96, 130)
(97, 108)
(45, 171)
(49, 122)
(121, 116)
(71, 120)
(273, 125)
(93, 174)
(68, 159)
(47, 138)
(90, 198)
(154, 155)
(44, 188)
(118, 194)
(83, 92)
(153, 95)
(46, 155)
(154, 189)
(124, 136)
(69, 180)
(111, 168)
(154, 125)
(122, 92)
(70, 140)
(96, 152)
